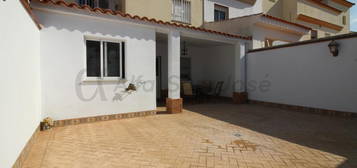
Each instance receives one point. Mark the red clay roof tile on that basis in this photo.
(135, 17)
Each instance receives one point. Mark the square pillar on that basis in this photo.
(240, 95)
(174, 100)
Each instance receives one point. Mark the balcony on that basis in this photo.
(317, 13)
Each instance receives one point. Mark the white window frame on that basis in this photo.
(103, 76)
(183, 16)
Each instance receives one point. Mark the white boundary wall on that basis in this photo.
(306, 75)
(20, 101)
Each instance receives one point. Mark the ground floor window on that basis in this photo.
(105, 59)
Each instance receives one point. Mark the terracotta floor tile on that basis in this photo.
(204, 135)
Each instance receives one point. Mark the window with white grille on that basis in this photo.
(181, 11)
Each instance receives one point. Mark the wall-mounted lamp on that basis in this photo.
(333, 46)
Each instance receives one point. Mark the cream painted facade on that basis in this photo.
(290, 9)
(158, 9)
(162, 9)
(203, 11)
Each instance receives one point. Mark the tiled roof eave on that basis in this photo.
(286, 22)
(135, 17)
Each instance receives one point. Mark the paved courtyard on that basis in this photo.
(204, 135)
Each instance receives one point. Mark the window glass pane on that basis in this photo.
(113, 59)
(104, 4)
(93, 58)
(123, 59)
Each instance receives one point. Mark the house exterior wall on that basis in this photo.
(306, 75)
(235, 8)
(287, 10)
(20, 101)
(161, 9)
(296, 7)
(274, 8)
(63, 58)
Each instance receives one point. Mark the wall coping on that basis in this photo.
(338, 37)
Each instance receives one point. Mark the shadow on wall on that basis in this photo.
(328, 134)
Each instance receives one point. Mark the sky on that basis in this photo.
(354, 16)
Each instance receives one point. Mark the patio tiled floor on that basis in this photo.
(211, 135)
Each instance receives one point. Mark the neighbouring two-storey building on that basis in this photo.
(271, 22)
(268, 22)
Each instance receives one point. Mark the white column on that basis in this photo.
(240, 67)
(174, 64)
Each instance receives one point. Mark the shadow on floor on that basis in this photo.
(324, 133)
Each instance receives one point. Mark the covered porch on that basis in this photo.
(193, 65)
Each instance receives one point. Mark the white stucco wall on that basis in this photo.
(20, 82)
(63, 58)
(236, 8)
(306, 75)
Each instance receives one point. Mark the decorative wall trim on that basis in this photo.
(75, 121)
(26, 150)
(306, 109)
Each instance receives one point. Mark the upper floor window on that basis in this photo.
(344, 20)
(95, 3)
(181, 11)
(220, 13)
(105, 59)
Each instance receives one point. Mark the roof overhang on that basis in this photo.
(344, 3)
(319, 22)
(325, 6)
(261, 20)
(109, 15)
(278, 24)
